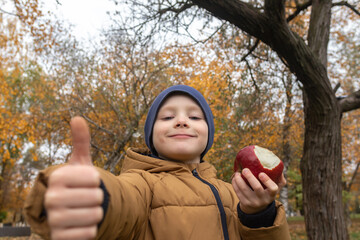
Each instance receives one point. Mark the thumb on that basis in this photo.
(81, 142)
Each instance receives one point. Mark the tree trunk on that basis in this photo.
(286, 140)
(284, 196)
(347, 188)
(321, 162)
(5, 174)
(321, 174)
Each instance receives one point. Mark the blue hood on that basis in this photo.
(192, 92)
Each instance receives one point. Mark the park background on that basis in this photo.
(49, 75)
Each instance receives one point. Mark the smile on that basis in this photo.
(181, 136)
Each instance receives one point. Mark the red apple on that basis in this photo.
(258, 160)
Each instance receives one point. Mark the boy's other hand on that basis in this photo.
(73, 198)
(255, 199)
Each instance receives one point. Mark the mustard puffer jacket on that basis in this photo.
(158, 199)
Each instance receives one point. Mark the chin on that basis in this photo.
(182, 156)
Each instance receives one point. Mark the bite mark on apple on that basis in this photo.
(267, 158)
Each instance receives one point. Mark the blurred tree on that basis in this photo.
(24, 32)
(112, 87)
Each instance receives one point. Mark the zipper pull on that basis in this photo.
(194, 172)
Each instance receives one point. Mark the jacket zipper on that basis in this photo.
(219, 204)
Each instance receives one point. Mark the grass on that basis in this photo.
(298, 232)
(296, 227)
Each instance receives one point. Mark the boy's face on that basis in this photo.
(180, 130)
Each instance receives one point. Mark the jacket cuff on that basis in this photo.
(105, 202)
(262, 219)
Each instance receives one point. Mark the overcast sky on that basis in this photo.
(87, 16)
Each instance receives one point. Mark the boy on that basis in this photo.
(164, 192)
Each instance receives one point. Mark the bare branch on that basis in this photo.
(299, 8)
(97, 147)
(250, 50)
(113, 108)
(12, 14)
(98, 126)
(111, 166)
(206, 39)
(241, 14)
(349, 185)
(350, 102)
(346, 4)
(176, 10)
(252, 76)
(337, 87)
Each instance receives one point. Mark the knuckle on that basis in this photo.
(91, 232)
(54, 218)
(257, 188)
(283, 184)
(243, 188)
(51, 199)
(99, 194)
(274, 189)
(58, 234)
(90, 174)
(57, 176)
(55, 235)
(95, 172)
(233, 180)
(239, 184)
(95, 176)
(101, 213)
(98, 214)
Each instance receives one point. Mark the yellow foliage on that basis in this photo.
(21, 35)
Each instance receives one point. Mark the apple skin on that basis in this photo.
(246, 158)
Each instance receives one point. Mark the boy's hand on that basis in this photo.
(73, 198)
(256, 199)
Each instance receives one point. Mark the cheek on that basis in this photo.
(158, 132)
(205, 133)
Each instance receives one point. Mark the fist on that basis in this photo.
(73, 198)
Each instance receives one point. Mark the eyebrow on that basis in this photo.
(171, 108)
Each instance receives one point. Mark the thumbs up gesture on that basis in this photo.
(73, 198)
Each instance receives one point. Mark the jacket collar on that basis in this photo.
(138, 158)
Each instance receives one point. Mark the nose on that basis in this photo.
(181, 122)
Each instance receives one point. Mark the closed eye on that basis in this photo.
(195, 118)
(167, 118)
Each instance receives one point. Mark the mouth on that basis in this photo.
(181, 136)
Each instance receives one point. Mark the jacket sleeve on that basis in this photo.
(279, 230)
(128, 206)
(127, 210)
(34, 210)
